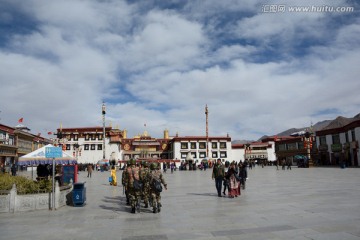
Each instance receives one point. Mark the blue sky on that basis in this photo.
(161, 62)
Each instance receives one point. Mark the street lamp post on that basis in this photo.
(103, 118)
(247, 151)
(62, 142)
(76, 150)
(308, 140)
(207, 131)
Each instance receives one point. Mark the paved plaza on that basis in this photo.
(317, 203)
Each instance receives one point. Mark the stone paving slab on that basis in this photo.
(317, 203)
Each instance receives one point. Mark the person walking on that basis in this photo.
(245, 167)
(13, 170)
(218, 174)
(156, 179)
(172, 167)
(242, 175)
(226, 180)
(234, 184)
(250, 164)
(133, 185)
(2, 168)
(145, 176)
(289, 164)
(113, 176)
(283, 164)
(89, 170)
(123, 181)
(164, 167)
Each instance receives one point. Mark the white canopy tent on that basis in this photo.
(38, 157)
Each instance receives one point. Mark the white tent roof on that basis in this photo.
(38, 157)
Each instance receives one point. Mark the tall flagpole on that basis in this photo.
(207, 130)
(103, 118)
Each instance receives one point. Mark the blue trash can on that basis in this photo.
(79, 194)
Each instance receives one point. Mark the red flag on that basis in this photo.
(21, 120)
(49, 133)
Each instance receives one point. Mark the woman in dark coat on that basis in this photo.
(234, 184)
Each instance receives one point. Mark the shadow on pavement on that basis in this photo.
(118, 203)
(204, 194)
(115, 209)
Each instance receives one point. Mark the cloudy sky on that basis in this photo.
(259, 66)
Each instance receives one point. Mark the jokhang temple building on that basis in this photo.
(337, 143)
(87, 145)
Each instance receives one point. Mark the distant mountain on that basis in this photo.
(242, 141)
(265, 136)
(316, 127)
(321, 125)
(290, 131)
(340, 121)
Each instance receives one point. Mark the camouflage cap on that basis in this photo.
(153, 166)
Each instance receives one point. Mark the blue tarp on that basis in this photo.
(302, 157)
(46, 161)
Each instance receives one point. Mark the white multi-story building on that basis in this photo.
(201, 147)
(339, 144)
(264, 150)
(87, 143)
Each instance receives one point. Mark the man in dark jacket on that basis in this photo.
(13, 170)
(218, 174)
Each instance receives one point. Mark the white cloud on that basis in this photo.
(165, 39)
(162, 66)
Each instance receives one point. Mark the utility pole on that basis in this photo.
(103, 118)
(207, 130)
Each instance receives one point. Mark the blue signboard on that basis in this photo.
(69, 172)
(53, 152)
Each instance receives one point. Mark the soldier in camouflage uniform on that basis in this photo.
(145, 176)
(123, 182)
(156, 175)
(131, 173)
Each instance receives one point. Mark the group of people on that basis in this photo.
(13, 169)
(283, 164)
(234, 177)
(172, 166)
(143, 183)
